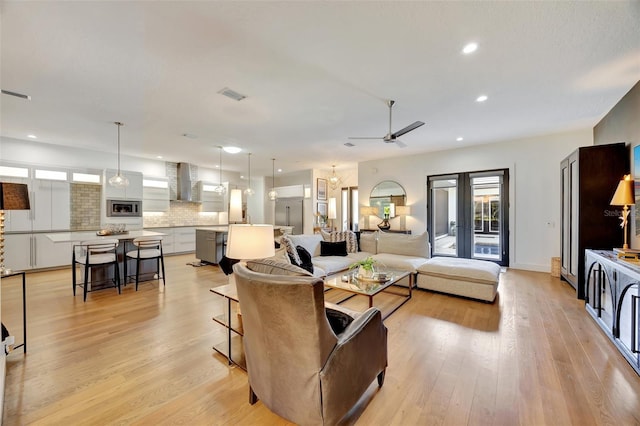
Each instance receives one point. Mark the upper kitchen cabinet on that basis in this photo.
(212, 200)
(134, 191)
(49, 198)
(155, 193)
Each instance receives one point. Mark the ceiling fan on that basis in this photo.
(392, 137)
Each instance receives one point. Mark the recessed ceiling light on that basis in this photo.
(470, 48)
(32, 136)
(482, 98)
(159, 157)
(459, 138)
(279, 170)
(231, 149)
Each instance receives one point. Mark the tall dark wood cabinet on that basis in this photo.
(589, 177)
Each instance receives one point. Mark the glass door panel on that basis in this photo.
(486, 193)
(444, 205)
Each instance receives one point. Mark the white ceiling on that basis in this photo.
(314, 74)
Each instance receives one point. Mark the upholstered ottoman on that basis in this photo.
(477, 279)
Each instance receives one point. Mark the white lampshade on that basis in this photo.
(369, 211)
(235, 205)
(403, 211)
(331, 212)
(250, 242)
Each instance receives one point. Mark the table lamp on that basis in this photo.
(367, 211)
(246, 242)
(403, 212)
(13, 196)
(624, 197)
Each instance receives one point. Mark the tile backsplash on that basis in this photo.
(183, 214)
(85, 207)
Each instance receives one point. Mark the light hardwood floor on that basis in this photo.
(534, 357)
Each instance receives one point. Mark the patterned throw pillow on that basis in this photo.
(337, 236)
(286, 242)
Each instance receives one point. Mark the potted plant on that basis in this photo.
(365, 267)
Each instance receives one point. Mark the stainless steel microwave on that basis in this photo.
(124, 208)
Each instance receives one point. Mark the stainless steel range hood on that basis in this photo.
(184, 182)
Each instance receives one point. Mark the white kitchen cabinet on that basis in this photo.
(155, 195)
(35, 251)
(131, 192)
(17, 251)
(213, 201)
(184, 239)
(167, 239)
(50, 207)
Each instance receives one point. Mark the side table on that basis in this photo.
(5, 275)
(231, 348)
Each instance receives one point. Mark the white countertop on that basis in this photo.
(66, 237)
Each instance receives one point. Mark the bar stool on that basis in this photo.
(147, 248)
(92, 253)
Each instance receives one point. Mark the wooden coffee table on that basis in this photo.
(351, 284)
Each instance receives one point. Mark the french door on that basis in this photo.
(468, 215)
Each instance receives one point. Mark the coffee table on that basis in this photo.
(352, 284)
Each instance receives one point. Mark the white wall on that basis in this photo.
(534, 193)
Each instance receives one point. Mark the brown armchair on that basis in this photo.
(299, 366)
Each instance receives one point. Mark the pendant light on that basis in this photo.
(334, 180)
(118, 180)
(220, 189)
(249, 191)
(273, 195)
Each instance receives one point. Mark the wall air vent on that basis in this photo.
(231, 94)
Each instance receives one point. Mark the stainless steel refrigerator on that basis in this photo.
(289, 212)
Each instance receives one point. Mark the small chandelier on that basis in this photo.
(220, 189)
(273, 194)
(249, 191)
(334, 180)
(118, 180)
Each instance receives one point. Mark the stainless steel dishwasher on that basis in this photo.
(210, 245)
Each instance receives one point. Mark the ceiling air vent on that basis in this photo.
(349, 144)
(231, 94)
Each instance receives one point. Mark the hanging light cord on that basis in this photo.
(273, 174)
(118, 124)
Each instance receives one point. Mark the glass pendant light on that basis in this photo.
(273, 195)
(334, 180)
(249, 191)
(118, 180)
(220, 189)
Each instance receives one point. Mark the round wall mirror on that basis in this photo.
(386, 196)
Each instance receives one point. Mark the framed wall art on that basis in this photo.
(322, 189)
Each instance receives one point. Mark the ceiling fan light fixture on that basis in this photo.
(118, 181)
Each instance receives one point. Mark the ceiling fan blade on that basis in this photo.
(407, 129)
(363, 137)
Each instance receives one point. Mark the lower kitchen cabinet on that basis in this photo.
(184, 239)
(611, 298)
(34, 251)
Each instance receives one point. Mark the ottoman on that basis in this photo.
(476, 279)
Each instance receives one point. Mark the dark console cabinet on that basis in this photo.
(589, 177)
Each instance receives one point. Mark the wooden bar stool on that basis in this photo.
(92, 253)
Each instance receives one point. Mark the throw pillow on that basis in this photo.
(305, 259)
(286, 242)
(333, 249)
(338, 320)
(348, 236)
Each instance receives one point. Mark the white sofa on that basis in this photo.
(395, 251)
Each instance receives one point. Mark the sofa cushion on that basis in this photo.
(311, 242)
(290, 247)
(408, 245)
(348, 236)
(474, 270)
(368, 242)
(399, 261)
(275, 267)
(332, 264)
(333, 249)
